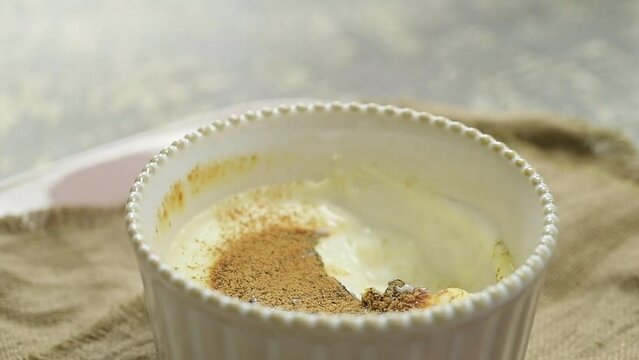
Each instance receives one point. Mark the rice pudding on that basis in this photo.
(357, 240)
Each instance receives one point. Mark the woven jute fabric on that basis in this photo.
(70, 289)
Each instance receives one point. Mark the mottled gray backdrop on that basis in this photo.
(74, 74)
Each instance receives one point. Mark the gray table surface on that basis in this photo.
(75, 74)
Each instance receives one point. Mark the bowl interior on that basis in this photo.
(294, 146)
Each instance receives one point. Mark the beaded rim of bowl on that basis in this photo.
(460, 310)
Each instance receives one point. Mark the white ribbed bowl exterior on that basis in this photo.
(190, 322)
(185, 330)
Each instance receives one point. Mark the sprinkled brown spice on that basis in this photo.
(269, 257)
(398, 297)
(279, 267)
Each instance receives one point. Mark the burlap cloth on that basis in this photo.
(69, 287)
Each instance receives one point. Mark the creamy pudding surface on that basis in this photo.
(355, 241)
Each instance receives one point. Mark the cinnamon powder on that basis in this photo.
(279, 267)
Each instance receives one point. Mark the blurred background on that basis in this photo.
(76, 74)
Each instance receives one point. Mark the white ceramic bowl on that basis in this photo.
(192, 322)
